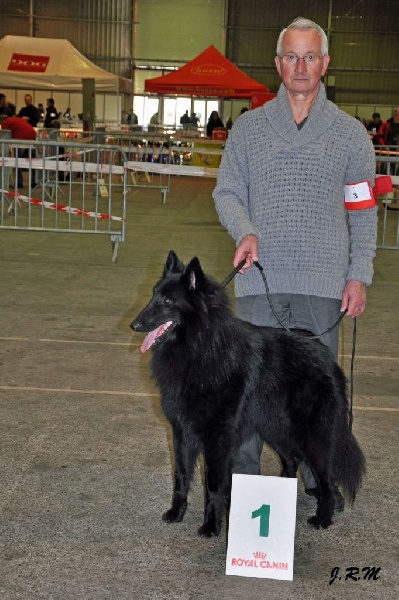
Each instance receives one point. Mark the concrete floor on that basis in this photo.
(86, 461)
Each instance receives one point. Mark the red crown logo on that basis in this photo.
(261, 555)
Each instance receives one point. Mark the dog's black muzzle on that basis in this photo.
(135, 325)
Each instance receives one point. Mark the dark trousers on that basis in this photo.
(26, 153)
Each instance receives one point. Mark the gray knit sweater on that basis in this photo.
(286, 187)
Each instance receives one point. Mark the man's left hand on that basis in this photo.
(354, 298)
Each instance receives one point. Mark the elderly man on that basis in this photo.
(294, 190)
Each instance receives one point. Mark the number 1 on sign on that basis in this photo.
(264, 513)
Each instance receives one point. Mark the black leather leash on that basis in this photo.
(314, 337)
(233, 273)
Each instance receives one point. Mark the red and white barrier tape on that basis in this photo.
(63, 207)
(49, 164)
(169, 169)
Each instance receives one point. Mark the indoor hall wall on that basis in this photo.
(175, 31)
(364, 43)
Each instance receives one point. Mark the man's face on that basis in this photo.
(3, 101)
(28, 100)
(301, 78)
(396, 116)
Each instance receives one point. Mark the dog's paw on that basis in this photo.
(209, 529)
(174, 515)
(317, 522)
(314, 522)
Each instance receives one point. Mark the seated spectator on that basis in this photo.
(214, 122)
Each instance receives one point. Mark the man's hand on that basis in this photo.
(247, 249)
(354, 298)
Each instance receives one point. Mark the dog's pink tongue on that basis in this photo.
(152, 336)
(149, 340)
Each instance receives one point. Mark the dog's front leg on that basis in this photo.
(217, 481)
(185, 454)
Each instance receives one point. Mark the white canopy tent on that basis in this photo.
(29, 63)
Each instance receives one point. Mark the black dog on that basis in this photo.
(222, 379)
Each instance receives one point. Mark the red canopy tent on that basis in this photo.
(209, 74)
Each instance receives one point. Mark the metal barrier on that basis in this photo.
(153, 146)
(159, 148)
(149, 149)
(387, 158)
(5, 139)
(63, 187)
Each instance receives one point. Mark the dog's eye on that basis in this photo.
(167, 301)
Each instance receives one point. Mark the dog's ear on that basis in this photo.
(173, 264)
(193, 274)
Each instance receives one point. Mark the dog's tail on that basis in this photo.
(349, 465)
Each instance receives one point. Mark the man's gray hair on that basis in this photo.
(304, 25)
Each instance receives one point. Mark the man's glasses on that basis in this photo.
(292, 59)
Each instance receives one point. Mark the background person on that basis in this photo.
(194, 120)
(29, 112)
(21, 130)
(374, 126)
(214, 122)
(153, 124)
(51, 115)
(185, 119)
(132, 118)
(42, 112)
(4, 108)
(280, 193)
(154, 119)
(388, 133)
